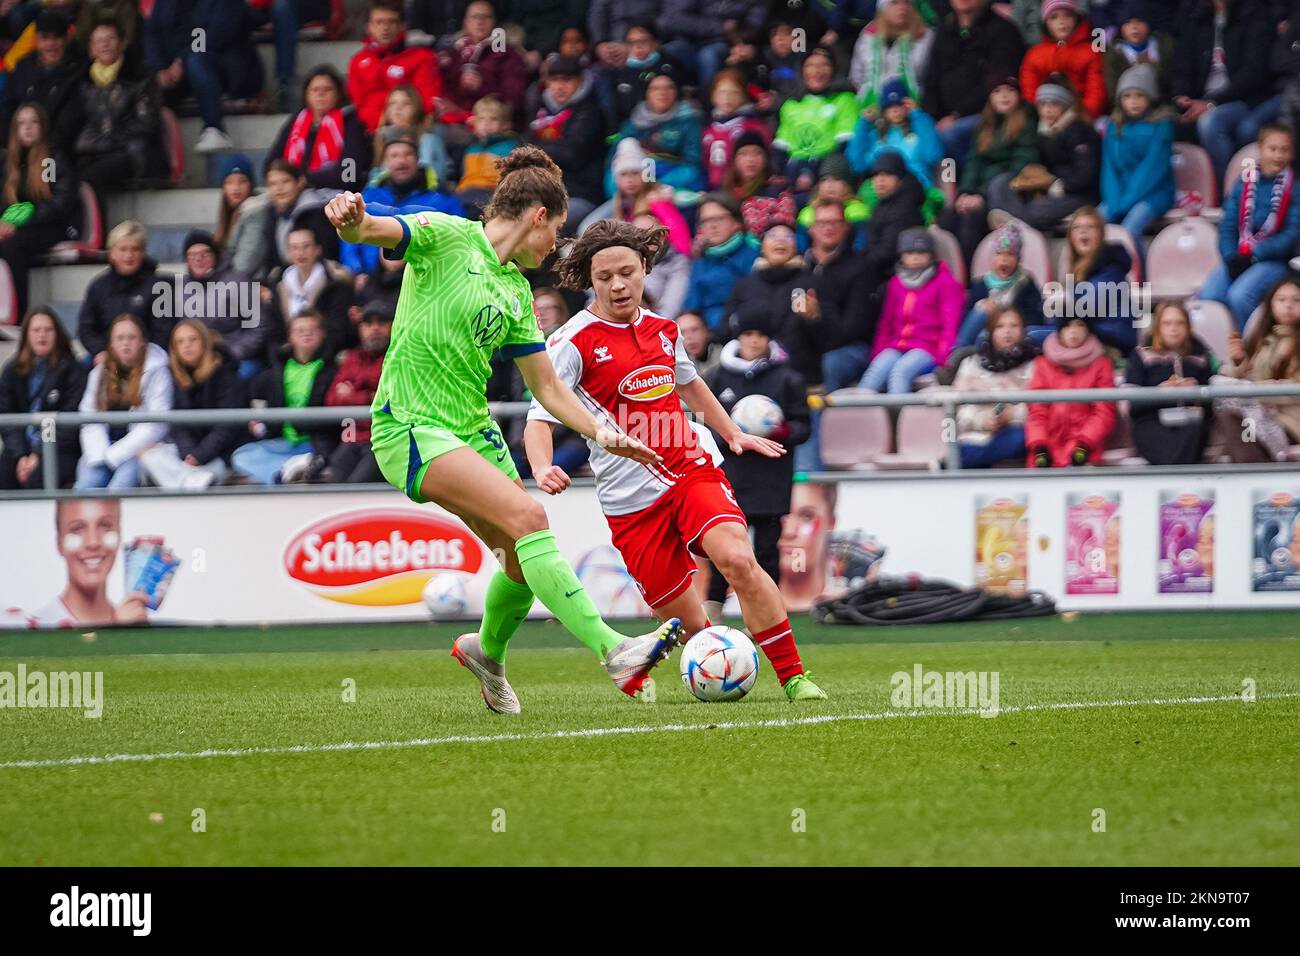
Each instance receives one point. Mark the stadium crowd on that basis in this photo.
(856, 193)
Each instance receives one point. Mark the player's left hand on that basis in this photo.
(625, 446)
(552, 479)
(764, 446)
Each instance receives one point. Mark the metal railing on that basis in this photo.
(947, 399)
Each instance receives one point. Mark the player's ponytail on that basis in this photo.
(528, 178)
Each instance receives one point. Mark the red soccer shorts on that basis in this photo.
(657, 542)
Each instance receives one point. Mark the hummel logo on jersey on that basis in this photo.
(668, 346)
(726, 396)
(487, 325)
(602, 354)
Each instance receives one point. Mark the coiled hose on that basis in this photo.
(917, 600)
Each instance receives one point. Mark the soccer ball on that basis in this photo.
(757, 415)
(719, 663)
(446, 595)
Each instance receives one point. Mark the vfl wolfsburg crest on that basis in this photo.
(488, 325)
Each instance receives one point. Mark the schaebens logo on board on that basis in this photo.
(378, 557)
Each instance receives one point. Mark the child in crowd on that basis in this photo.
(919, 318)
(1061, 434)
(733, 116)
(1268, 354)
(1259, 228)
(1004, 361)
(493, 139)
(1006, 285)
(1137, 185)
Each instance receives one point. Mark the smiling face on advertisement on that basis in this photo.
(88, 534)
(804, 534)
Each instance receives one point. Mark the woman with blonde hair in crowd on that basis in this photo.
(134, 376)
(205, 374)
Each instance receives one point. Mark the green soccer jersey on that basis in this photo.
(457, 305)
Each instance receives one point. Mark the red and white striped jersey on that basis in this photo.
(627, 374)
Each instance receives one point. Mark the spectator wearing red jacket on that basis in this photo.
(1068, 433)
(385, 62)
(355, 383)
(1067, 47)
(480, 62)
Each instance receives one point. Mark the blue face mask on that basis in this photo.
(649, 61)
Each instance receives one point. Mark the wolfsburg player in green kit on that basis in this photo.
(462, 298)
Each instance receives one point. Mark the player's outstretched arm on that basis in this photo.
(539, 446)
(705, 404)
(346, 212)
(558, 399)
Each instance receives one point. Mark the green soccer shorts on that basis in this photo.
(404, 450)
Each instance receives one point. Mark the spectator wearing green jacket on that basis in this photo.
(816, 123)
(1005, 141)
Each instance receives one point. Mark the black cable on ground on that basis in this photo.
(917, 600)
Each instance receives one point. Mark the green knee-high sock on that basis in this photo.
(505, 606)
(556, 586)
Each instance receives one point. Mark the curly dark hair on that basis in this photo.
(575, 267)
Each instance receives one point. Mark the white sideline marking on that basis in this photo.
(609, 731)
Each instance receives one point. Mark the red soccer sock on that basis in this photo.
(777, 642)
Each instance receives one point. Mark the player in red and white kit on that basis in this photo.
(630, 368)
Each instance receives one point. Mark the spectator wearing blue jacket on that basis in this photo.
(1137, 180)
(728, 256)
(898, 125)
(1259, 228)
(1097, 275)
(403, 186)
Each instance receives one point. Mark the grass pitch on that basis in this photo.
(251, 728)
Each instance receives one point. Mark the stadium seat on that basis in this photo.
(89, 247)
(949, 250)
(1034, 255)
(1247, 153)
(8, 297)
(1114, 233)
(853, 437)
(1194, 173)
(1212, 322)
(1181, 256)
(920, 440)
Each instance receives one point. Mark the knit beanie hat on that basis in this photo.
(1140, 77)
